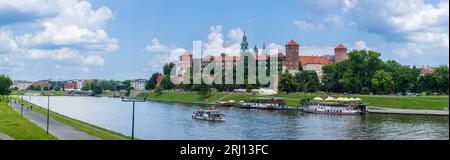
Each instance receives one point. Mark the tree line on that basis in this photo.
(364, 72)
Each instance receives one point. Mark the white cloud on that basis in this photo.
(76, 25)
(26, 10)
(334, 20)
(65, 55)
(308, 26)
(273, 48)
(235, 35)
(215, 43)
(348, 5)
(430, 38)
(7, 43)
(71, 33)
(93, 60)
(155, 46)
(413, 21)
(361, 45)
(9, 63)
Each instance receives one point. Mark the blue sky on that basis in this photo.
(114, 39)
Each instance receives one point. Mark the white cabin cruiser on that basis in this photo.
(208, 115)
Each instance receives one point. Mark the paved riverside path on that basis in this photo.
(408, 111)
(60, 130)
(5, 137)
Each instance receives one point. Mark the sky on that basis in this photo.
(116, 39)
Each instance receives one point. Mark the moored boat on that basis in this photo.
(263, 104)
(336, 107)
(208, 115)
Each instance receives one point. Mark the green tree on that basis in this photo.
(382, 82)
(353, 74)
(203, 90)
(97, 89)
(158, 90)
(287, 83)
(5, 85)
(167, 68)
(307, 81)
(166, 83)
(127, 83)
(442, 75)
(404, 77)
(151, 83)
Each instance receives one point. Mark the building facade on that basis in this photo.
(139, 84)
(340, 53)
(289, 61)
(292, 56)
(315, 64)
(21, 85)
(42, 84)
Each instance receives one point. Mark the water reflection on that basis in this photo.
(172, 121)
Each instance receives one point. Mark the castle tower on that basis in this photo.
(292, 56)
(340, 53)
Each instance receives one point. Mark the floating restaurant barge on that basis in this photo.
(338, 106)
(262, 104)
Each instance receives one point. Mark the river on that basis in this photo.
(172, 121)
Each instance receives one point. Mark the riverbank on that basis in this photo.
(378, 110)
(397, 102)
(90, 129)
(19, 128)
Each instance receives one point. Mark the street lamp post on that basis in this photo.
(132, 121)
(48, 112)
(10, 101)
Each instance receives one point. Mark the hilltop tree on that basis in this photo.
(167, 68)
(307, 81)
(287, 83)
(5, 85)
(203, 90)
(151, 83)
(353, 74)
(382, 82)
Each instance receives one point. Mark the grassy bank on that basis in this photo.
(293, 99)
(19, 128)
(80, 125)
(56, 93)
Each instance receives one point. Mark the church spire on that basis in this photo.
(255, 49)
(244, 43)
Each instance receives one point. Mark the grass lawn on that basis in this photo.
(80, 125)
(186, 97)
(293, 99)
(19, 128)
(57, 93)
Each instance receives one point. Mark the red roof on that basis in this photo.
(341, 46)
(426, 71)
(292, 43)
(314, 60)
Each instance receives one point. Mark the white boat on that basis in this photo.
(325, 109)
(340, 108)
(208, 115)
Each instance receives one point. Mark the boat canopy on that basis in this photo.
(330, 99)
(318, 99)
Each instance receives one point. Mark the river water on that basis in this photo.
(172, 121)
